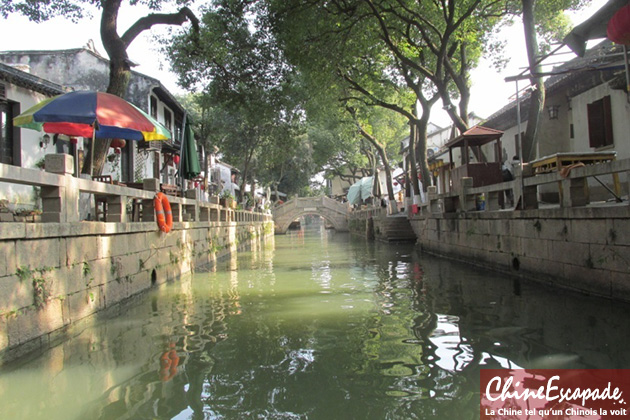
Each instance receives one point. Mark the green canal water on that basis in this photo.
(314, 325)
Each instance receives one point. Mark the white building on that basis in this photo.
(19, 91)
(86, 69)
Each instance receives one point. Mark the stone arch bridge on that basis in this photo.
(332, 211)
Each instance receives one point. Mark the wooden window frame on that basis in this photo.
(600, 126)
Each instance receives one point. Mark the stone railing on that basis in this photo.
(310, 202)
(573, 190)
(367, 213)
(60, 193)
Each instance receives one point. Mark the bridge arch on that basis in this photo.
(332, 211)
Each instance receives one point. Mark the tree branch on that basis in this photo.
(146, 22)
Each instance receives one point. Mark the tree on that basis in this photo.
(257, 112)
(116, 45)
(344, 68)
(547, 20)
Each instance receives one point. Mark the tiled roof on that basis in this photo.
(577, 75)
(29, 81)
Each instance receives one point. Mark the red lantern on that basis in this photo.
(618, 29)
(176, 159)
(196, 184)
(395, 184)
(118, 143)
(74, 140)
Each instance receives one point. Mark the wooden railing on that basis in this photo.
(60, 195)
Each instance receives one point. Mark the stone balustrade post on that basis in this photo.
(466, 201)
(528, 195)
(148, 209)
(574, 192)
(60, 204)
(434, 204)
(192, 211)
(117, 209)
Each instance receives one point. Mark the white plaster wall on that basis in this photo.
(508, 143)
(621, 120)
(554, 135)
(21, 196)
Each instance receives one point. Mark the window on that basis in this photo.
(153, 106)
(600, 133)
(6, 133)
(168, 119)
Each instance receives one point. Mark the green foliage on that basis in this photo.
(23, 273)
(226, 194)
(115, 267)
(86, 269)
(43, 10)
(41, 294)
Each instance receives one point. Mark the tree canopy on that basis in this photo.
(286, 88)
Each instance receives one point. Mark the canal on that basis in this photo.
(314, 325)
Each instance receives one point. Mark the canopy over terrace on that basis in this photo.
(483, 173)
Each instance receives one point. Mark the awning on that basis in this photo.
(360, 190)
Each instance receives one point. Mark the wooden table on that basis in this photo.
(558, 161)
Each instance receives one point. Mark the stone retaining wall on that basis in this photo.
(585, 249)
(55, 274)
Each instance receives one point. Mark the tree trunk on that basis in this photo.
(119, 67)
(413, 167)
(421, 146)
(463, 86)
(383, 155)
(537, 99)
(119, 75)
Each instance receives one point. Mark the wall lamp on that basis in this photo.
(45, 141)
(553, 111)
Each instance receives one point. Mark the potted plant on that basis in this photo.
(226, 199)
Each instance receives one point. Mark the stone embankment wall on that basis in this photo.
(55, 274)
(585, 249)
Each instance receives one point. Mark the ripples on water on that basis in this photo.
(319, 326)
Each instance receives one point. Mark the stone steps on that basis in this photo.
(395, 229)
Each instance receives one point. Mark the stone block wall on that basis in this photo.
(55, 274)
(585, 249)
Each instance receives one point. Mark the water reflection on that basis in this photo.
(315, 326)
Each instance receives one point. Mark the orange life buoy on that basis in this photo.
(163, 212)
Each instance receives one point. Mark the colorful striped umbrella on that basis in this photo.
(93, 115)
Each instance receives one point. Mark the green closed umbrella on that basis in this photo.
(190, 161)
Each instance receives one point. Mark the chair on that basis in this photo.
(100, 201)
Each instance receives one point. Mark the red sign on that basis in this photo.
(558, 394)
